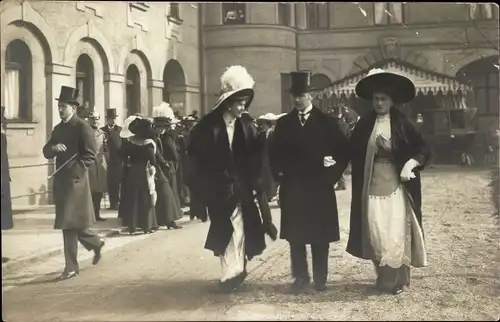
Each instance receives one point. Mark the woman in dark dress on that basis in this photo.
(168, 208)
(139, 195)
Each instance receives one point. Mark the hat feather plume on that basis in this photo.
(163, 110)
(236, 78)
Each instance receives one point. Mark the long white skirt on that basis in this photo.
(391, 222)
(233, 260)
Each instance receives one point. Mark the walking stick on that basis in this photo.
(62, 166)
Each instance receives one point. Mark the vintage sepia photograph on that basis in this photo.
(250, 161)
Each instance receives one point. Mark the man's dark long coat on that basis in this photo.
(308, 204)
(115, 161)
(407, 143)
(71, 187)
(217, 168)
(7, 219)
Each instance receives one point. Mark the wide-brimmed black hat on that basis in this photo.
(142, 128)
(68, 95)
(111, 113)
(400, 88)
(300, 82)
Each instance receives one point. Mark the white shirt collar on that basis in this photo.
(306, 110)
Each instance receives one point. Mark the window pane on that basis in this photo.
(481, 100)
(323, 13)
(174, 10)
(11, 92)
(379, 13)
(284, 14)
(396, 10)
(493, 101)
(312, 17)
(233, 13)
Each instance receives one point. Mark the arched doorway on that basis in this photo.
(85, 81)
(18, 86)
(133, 90)
(174, 85)
(483, 76)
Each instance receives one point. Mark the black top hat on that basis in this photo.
(142, 128)
(68, 95)
(301, 82)
(111, 113)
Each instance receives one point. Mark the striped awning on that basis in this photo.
(425, 81)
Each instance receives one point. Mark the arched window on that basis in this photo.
(483, 76)
(18, 87)
(85, 80)
(133, 90)
(233, 13)
(318, 15)
(284, 14)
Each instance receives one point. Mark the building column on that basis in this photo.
(193, 100)
(114, 92)
(155, 93)
(301, 15)
(57, 76)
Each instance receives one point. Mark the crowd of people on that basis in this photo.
(228, 167)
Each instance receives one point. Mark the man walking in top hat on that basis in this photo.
(115, 162)
(73, 145)
(308, 154)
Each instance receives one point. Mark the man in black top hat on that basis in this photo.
(73, 145)
(115, 162)
(308, 155)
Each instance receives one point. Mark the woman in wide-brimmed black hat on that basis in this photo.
(139, 193)
(387, 154)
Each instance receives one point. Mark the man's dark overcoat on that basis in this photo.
(308, 204)
(71, 186)
(217, 169)
(407, 143)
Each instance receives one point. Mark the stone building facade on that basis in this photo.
(132, 55)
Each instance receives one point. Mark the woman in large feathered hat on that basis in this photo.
(139, 192)
(227, 166)
(168, 207)
(388, 153)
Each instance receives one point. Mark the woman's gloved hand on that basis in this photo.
(407, 171)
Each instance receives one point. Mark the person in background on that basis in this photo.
(73, 145)
(7, 219)
(168, 208)
(115, 162)
(139, 197)
(265, 123)
(97, 170)
(387, 154)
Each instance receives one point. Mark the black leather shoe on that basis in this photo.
(397, 290)
(97, 253)
(174, 226)
(300, 285)
(320, 287)
(67, 276)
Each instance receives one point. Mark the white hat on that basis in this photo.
(268, 117)
(236, 81)
(125, 132)
(164, 111)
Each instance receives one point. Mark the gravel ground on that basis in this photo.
(169, 276)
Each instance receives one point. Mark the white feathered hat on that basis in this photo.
(163, 113)
(236, 81)
(125, 132)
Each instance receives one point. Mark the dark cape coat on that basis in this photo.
(227, 178)
(308, 204)
(407, 143)
(71, 186)
(7, 219)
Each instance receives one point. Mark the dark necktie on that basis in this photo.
(303, 118)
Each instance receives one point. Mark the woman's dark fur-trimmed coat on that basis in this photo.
(407, 143)
(217, 170)
(309, 213)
